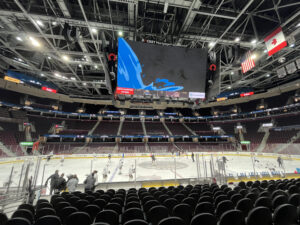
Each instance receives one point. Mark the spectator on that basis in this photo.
(91, 181)
(72, 184)
(61, 184)
(53, 181)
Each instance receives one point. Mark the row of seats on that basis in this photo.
(251, 203)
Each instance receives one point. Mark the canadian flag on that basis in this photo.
(275, 41)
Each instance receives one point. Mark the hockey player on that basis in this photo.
(104, 173)
(62, 159)
(130, 173)
(280, 161)
(153, 158)
(224, 160)
(193, 157)
(120, 166)
(109, 157)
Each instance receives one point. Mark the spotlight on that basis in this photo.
(80, 65)
(40, 23)
(19, 38)
(84, 84)
(54, 23)
(34, 42)
(120, 33)
(65, 57)
(57, 75)
(298, 25)
(268, 75)
(253, 41)
(94, 30)
(49, 57)
(237, 39)
(253, 56)
(211, 44)
(42, 75)
(96, 67)
(292, 45)
(73, 78)
(229, 87)
(232, 73)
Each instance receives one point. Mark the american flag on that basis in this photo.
(248, 62)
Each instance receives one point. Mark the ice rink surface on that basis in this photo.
(165, 167)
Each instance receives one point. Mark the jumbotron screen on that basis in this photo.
(160, 70)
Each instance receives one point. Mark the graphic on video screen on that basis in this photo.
(160, 68)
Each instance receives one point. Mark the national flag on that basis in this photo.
(248, 62)
(275, 41)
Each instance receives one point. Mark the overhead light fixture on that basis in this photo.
(73, 78)
(84, 84)
(34, 42)
(94, 30)
(49, 57)
(292, 45)
(232, 73)
(42, 75)
(253, 56)
(298, 25)
(64, 77)
(54, 23)
(253, 41)
(57, 75)
(80, 65)
(40, 23)
(237, 39)
(96, 67)
(65, 57)
(211, 44)
(268, 75)
(166, 7)
(20, 60)
(120, 33)
(19, 38)
(229, 87)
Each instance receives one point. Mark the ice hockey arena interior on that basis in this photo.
(149, 112)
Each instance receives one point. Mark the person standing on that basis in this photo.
(72, 184)
(224, 160)
(91, 181)
(279, 160)
(193, 157)
(53, 181)
(153, 158)
(61, 184)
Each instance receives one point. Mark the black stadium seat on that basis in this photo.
(44, 212)
(48, 220)
(260, 216)
(204, 218)
(285, 214)
(172, 221)
(108, 216)
(131, 214)
(156, 214)
(23, 213)
(183, 211)
(232, 217)
(79, 218)
(18, 221)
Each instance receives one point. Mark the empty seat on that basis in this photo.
(44, 212)
(235, 198)
(131, 214)
(294, 199)
(108, 216)
(48, 220)
(157, 213)
(232, 217)
(205, 207)
(3, 218)
(279, 200)
(205, 199)
(79, 218)
(223, 206)
(263, 201)
(101, 203)
(43, 205)
(133, 205)
(80, 204)
(135, 222)
(183, 211)
(172, 221)
(23, 213)
(18, 221)
(92, 210)
(259, 216)
(65, 212)
(204, 218)
(28, 207)
(170, 203)
(245, 205)
(285, 214)
(190, 201)
(114, 206)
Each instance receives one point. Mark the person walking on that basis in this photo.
(53, 181)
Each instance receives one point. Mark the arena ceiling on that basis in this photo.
(32, 40)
